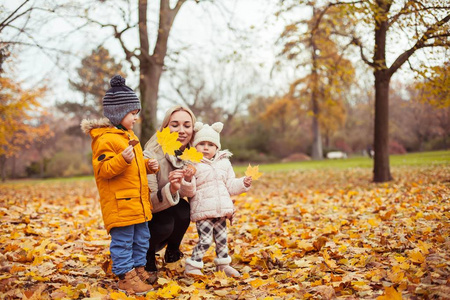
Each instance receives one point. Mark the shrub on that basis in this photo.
(396, 148)
(67, 164)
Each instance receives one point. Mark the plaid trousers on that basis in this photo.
(207, 230)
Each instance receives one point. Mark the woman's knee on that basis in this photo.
(161, 228)
(183, 212)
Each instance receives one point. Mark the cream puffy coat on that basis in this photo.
(122, 186)
(215, 183)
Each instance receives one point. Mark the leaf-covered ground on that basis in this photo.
(299, 235)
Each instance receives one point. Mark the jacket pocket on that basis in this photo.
(129, 203)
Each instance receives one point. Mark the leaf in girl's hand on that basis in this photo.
(253, 172)
(192, 155)
(168, 141)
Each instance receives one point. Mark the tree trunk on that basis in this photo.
(3, 167)
(13, 167)
(317, 151)
(381, 171)
(149, 84)
(41, 168)
(151, 67)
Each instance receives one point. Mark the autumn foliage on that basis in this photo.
(20, 112)
(297, 235)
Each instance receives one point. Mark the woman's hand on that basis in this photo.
(175, 178)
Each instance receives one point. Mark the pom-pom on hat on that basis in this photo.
(206, 133)
(119, 100)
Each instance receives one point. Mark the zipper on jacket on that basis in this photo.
(216, 185)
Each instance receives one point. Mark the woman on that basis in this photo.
(169, 223)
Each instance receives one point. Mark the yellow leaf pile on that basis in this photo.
(315, 234)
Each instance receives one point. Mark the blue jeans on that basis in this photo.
(129, 245)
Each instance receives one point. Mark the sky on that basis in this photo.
(200, 32)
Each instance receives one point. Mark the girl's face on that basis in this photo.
(181, 122)
(129, 120)
(207, 148)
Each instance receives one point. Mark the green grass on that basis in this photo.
(410, 159)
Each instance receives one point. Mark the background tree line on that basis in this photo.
(323, 96)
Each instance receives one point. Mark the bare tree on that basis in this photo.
(310, 44)
(214, 91)
(425, 25)
(148, 59)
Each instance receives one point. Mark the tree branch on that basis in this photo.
(355, 41)
(406, 10)
(421, 43)
(5, 22)
(118, 35)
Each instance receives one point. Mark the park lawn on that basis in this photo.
(438, 158)
(305, 233)
(410, 159)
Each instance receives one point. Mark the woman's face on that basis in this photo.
(181, 122)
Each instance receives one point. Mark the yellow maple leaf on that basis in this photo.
(257, 283)
(168, 141)
(424, 247)
(390, 293)
(416, 256)
(192, 155)
(253, 172)
(329, 261)
(170, 291)
(119, 296)
(305, 245)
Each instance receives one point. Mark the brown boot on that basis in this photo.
(131, 284)
(145, 276)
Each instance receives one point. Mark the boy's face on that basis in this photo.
(129, 120)
(207, 148)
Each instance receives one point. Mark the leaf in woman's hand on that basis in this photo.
(192, 155)
(168, 141)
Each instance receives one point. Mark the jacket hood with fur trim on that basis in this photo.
(88, 125)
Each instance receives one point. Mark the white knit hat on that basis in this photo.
(206, 133)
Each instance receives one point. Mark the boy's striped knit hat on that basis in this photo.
(119, 100)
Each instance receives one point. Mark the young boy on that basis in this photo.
(211, 204)
(120, 172)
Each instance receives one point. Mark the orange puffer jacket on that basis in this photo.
(123, 187)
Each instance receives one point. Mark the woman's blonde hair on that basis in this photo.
(152, 144)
